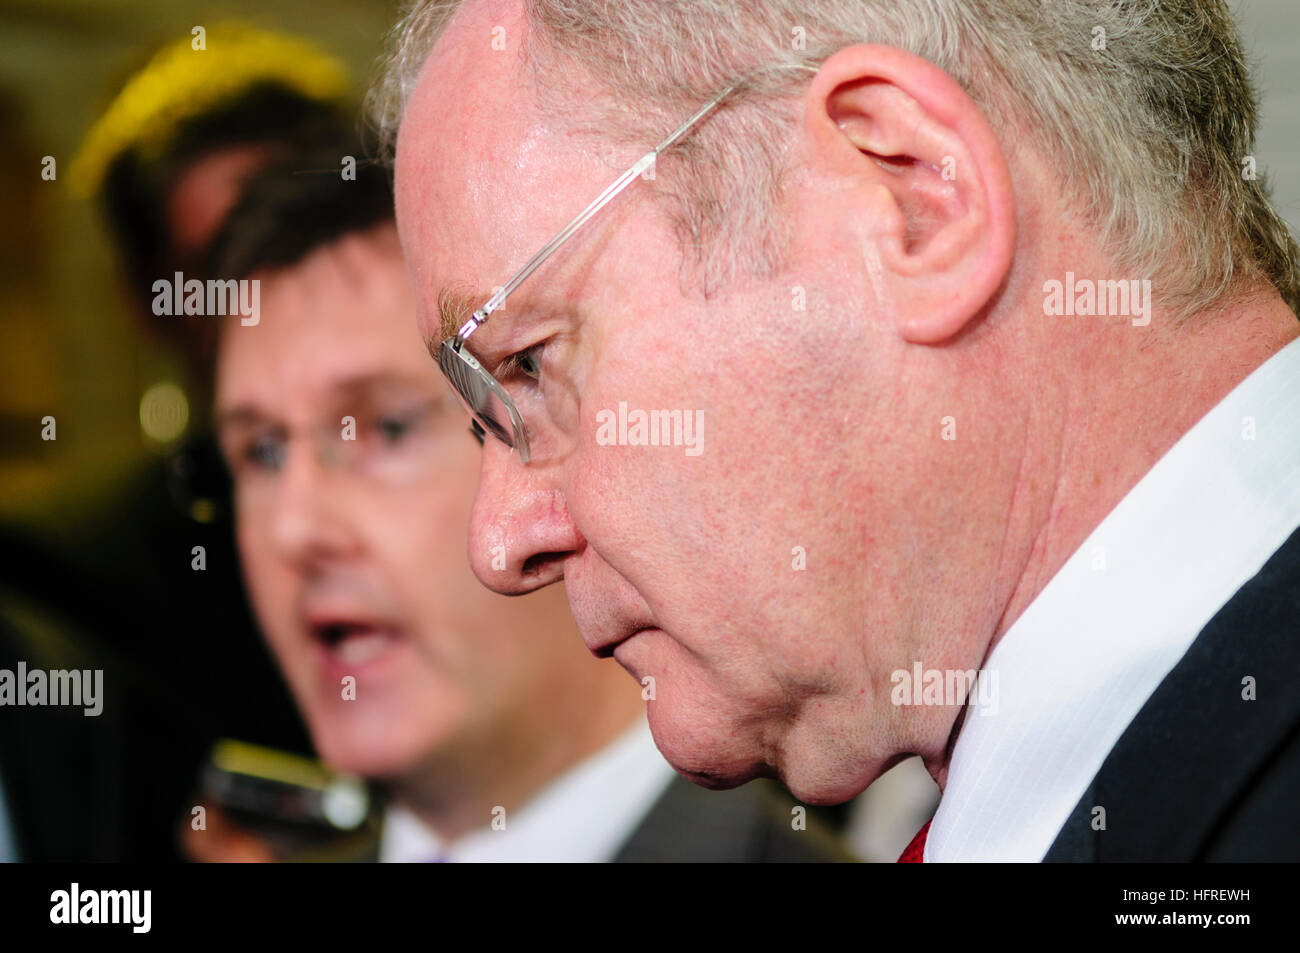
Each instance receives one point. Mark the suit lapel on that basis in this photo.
(1181, 765)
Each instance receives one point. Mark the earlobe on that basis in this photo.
(931, 176)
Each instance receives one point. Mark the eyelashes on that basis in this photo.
(526, 363)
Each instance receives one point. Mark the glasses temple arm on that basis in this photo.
(605, 197)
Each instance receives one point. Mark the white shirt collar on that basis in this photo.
(1077, 666)
(584, 816)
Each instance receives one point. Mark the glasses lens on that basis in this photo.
(482, 396)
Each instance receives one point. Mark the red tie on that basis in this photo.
(914, 853)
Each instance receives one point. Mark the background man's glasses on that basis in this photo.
(387, 447)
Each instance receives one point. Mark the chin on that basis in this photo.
(371, 748)
(718, 752)
(820, 794)
(357, 757)
(700, 751)
(827, 780)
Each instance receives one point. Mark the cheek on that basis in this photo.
(259, 567)
(419, 537)
(272, 591)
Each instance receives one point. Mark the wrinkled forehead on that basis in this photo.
(484, 174)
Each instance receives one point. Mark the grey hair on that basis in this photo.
(1145, 107)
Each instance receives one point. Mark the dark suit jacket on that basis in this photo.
(61, 770)
(1202, 774)
(750, 824)
(107, 583)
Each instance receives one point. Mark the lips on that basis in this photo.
(354, 644)
(351, 642)
(606, 649)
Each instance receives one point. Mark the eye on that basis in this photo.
(396, 428)
(393, 428)
(477, 430)
(266, 452)
(529, 362)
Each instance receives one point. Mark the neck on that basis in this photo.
(1119, 401)
(456, 789)
(1119, 417)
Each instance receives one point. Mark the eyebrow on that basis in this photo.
(357, 388)
(243, 415)
(455, 306)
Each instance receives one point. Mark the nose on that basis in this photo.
(309, 520)
(520, 529)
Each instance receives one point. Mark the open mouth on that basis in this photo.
(353, 643)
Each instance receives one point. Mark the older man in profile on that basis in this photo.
(991, 331)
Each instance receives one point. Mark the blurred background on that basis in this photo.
(69, 344)
(99, 526)
(73, 346)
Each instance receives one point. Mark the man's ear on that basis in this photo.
(921, 162)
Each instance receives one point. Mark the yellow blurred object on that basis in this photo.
(181, 82)
(164, 412)
(203, 511)
(240, 757)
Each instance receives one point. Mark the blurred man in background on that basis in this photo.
(490, 733)
(141, 575)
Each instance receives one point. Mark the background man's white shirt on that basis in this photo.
(1076, 668)
(584, 816)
